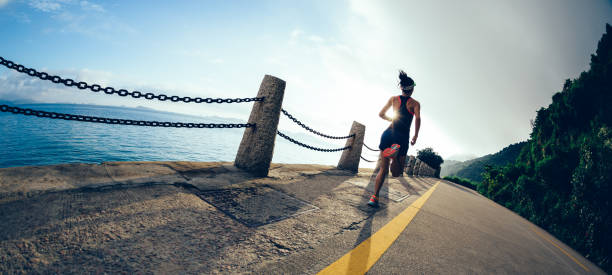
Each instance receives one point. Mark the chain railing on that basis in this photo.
(370, 148)
(53, 115)
(366, 159)
(311, 147)
(312, 130)
(272, 88)
(121, 92)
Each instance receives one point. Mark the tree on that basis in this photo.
(431, 158)
(562, 178)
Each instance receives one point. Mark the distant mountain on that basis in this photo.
(142, 109)
(15, 102)
(461, 157)
(472, 169)
(451, 167)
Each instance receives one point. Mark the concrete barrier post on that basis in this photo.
(257, 145)
(417, 167)
(350, 158)
(410, 165)
(422, 169)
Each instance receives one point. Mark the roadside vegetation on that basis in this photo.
(562, 178)
(462, 181)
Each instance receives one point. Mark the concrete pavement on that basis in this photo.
(168, 217)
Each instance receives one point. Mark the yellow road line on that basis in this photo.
(562, 250)
(367, 253)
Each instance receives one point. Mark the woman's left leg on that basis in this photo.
(380, 179)
(397, 165)
(382, 174)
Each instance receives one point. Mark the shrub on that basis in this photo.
(462, 181)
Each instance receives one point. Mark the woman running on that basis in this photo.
(394, 140)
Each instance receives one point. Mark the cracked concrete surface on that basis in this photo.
(140, 217)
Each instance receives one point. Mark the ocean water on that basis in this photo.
(32, 141)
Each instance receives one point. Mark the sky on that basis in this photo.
(482, 68)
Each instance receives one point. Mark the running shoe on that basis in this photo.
(391, 152)
(373, 201)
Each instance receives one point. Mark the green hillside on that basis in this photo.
(473, 169)
(562, 179)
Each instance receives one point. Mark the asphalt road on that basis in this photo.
(457, 231)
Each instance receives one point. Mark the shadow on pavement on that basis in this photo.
(366, 230)
(411, 190)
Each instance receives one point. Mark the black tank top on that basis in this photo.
(403, 118)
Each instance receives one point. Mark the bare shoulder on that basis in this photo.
(390, 101)
(415, 102)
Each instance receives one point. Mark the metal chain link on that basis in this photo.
(310, 147)
(370, 148)
(366, 159)
(311, 130)
(121, 92)
(53, 115)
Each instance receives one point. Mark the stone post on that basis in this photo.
(257, 145)
(350, 158)
(417, 167)
(410, 165)
(422, 169)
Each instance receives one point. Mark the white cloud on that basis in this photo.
(82, 17)
(89, 6)
(315, 38)
(3, 3)
(102, 28)
(46, 5)
(57, 5)
(191, 53)
(19, 87)
(296, 33)
(217, 61)
(198, 54)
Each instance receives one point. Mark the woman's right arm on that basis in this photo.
(383, 112)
